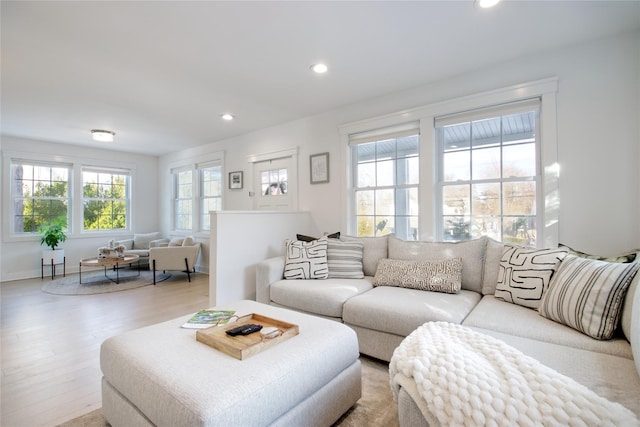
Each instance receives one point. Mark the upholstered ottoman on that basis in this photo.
(160, 375)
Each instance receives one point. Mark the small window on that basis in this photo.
(106, 199)
(40, 194)
(274, 182)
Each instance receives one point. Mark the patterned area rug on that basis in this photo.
(95, 282)
(375, 408)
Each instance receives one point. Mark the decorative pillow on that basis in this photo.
(472, 253)
(188, 241)
(627, 257)
(344, 259)
(525, 274)
(587, 295)
(390, 272)
(142, 241)
(375, 249)
(306, 260)
(176, 241)
(437, 276)
(304, 238)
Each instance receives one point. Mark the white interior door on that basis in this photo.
(275, 184)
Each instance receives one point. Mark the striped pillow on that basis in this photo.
(587, 295)
(345, 259)
(306, 260)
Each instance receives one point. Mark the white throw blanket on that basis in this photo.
(470, 379)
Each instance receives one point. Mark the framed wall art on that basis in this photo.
(235, 180)
(319, 168)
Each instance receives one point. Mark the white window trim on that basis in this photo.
(106, 169)
(76, 215)
(546, 89)
(193, 163)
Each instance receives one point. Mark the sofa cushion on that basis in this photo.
(499, 316)
(323, 297)
(306, 260)
(587, 295)
(143, 241)
(344, 259)
(375, 248)
(400, 311)
(525, 274)
(492, 258)
(436, 276)
(472, 253)
(628, 307)
(611, 377)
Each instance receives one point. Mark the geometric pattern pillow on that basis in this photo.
(344, 259)
(525, 274)
(436, 276)
(587, 295)
(306, 260)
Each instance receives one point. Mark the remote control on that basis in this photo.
(244, 330)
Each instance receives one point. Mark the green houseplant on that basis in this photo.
(52, 236)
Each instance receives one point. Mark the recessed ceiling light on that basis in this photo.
(319, 68)
(102, 135)
(486, 3)
(228, 117)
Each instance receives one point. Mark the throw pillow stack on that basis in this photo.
(324, 258)
(568, 287)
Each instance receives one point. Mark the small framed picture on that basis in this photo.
(319, 168)
(235, 180)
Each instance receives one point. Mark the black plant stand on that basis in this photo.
(53, 267)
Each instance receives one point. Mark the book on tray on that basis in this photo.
(208, 318)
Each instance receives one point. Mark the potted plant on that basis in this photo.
(52, 236)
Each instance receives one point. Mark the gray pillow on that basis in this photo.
(345, 259)
(472, 253)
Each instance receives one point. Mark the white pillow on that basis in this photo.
(344, 259)
(306, 260)
(587, 295)
(525, 274)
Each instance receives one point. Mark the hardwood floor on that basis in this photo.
(51, 344)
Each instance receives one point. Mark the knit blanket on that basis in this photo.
(470, 379)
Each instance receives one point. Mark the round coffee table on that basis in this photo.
(114, 263)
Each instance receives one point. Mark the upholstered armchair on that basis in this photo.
(180, 254)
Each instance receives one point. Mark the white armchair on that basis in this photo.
(181, 258)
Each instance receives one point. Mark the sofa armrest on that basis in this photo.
(267, 272)
(158, 243)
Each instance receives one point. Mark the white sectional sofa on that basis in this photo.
(487, 302)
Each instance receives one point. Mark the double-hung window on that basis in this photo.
(210, 180)
(40, 195)
(385, 165)
(183, 199)
(489, 173)
(106, 199)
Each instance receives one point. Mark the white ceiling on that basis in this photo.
(160, 73)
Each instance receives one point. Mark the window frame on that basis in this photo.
(546, 89)
(127, 197)
(21, 162)
(477, 115)
(377, 137)
(204, 222)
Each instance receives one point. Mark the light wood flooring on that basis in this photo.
(51, 344)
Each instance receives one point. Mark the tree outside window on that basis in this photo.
(106, 200)
(40, 196)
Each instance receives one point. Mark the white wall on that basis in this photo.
(598, 141)
(239, 240)
(20, 256)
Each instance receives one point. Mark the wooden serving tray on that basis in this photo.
(244, 346)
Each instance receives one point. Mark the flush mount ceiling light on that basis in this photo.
(228, 117)
(319, 68)
(485, 4)
(102, 135)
